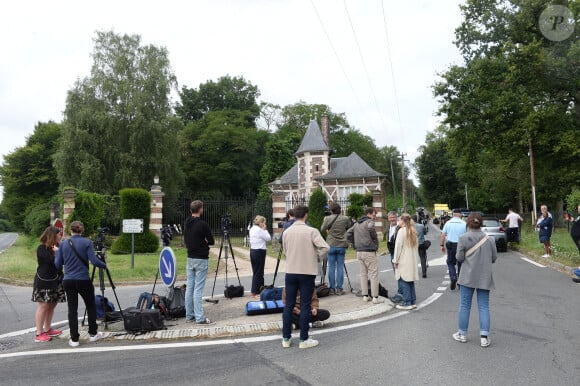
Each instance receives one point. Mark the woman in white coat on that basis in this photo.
(406, 260)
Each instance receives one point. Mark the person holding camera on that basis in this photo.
(259, 236)
(197, 237)
(75, 255)
(48, 290)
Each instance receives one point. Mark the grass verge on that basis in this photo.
(563, 249)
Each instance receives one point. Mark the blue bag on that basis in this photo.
(271, 294)
(109, 306)
(264, 307)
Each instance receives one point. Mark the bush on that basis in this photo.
(89, 209)
(6, 226)
(37, 219)
(572, 201)
(317, 208)
(136, 204)
(358, 203)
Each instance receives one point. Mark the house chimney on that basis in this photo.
(324, 122)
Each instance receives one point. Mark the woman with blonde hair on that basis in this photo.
(259, 236)
(47, 290)
(406, 260)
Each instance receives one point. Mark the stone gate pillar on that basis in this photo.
(68, 206)
(156, 220)
(380, 220)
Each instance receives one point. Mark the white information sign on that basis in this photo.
(133, 226)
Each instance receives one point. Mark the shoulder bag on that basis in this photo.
(332, 223)
(476, 246)
(86, 263)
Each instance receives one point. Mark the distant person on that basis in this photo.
(335, 227)
(575, 230)
(197, 237)
(544, 226)
(406, 261)
(477, 251)
(393, 229)
(443, 219)
(449, 239)
(317, 315)
(47, 290)
(304, 247)
(290, 219)
(74, 255)
(422, 244)
(513, 230)
(259, 236)
(366, 243)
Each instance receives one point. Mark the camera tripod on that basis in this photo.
(100, 252)
(226, 247)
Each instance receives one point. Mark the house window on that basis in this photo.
(344, 191)
(316, 167)
(302, 170)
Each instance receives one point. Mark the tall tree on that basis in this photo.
(118, 130)
(27, 174)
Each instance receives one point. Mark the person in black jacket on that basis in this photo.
(197, 237)
(47, 290)
(575, 230)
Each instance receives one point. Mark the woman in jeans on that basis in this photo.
(406, 260)
(477, 251)
(259, 236)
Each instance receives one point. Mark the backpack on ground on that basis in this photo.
(109, 306)
(271, 294)
(176, 302)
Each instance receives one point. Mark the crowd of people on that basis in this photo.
(469, 252)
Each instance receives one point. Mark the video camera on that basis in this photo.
(100, 242)
(166, 235)
(226, 222)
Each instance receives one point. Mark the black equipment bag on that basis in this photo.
(382, 290)
(271, 294)
(141, 321)
(234, 291)
(264, 307)
(176, 302)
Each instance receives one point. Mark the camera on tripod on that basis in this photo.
(100, 242)
(226, 222)
(166, 235)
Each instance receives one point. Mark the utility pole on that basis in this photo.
(403, 188)
(533, 180)
(393, 180)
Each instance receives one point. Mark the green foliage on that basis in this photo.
(136, 204)
(573, 200)
(358, 203)
(27, 174)
(119, 130)
(89, 209)
(317, 208)
(6, 226)
(37, 219)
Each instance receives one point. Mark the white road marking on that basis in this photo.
(441, 288)
(533, 262)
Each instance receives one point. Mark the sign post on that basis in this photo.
(167, 265)
(133, 226)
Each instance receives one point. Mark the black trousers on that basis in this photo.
(321, 315)
(258, 259)
(73, 289)
(423, 257)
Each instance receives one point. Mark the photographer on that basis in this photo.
(74, 254)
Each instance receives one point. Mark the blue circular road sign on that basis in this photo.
(167, 266)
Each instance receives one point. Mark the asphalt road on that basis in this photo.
(6, 240)
(535, 315)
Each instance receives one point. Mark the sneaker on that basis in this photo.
(576, 280)
(460, 337)
(453, 284)
(378, 300)
(318, 324)
(339, 292)
(72, 343)
(286, 343)
(332, 291)
(397, 299)
(485, 342)
(546, 255)
(206, 322)
(414, 306)
(189, 320)
(308, 343)
(366, 299)
(424, 276)
(98, 336)
(42, 338)
(402, 307)
(53, 332)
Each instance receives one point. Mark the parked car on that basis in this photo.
(493, 228)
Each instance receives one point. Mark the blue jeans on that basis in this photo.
(336, 267)
(452, 260)
(305, 284)
(408, 288)
(196, 274)
(399, 288)
(465, 296)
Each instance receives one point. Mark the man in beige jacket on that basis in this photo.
(303, 246)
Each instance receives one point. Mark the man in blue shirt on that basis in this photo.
(449, 238)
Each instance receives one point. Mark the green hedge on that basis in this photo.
(136, 204)
(89, 209)
(317, 208)
(358, 203)
(37, 219)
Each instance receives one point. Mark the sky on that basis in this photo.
(373, 60)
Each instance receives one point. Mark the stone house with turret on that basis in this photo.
(338, 177)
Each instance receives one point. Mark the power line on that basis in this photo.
(391, 65)
(336, 55)
(364, 65)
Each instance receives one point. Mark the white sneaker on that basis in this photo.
(402, 307)
(98, 336)
(318, 324)
(72, 343)
(308, 343)
(485, 342)
(378, 300)
(546, 255)
(460, 337)
(286, 343)
(366, 299)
